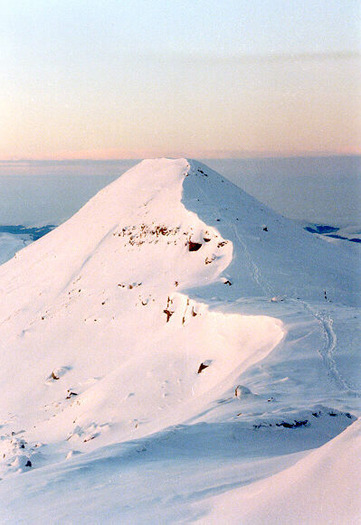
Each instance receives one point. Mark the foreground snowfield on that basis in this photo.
(176, 352)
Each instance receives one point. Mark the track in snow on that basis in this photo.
(329, 348)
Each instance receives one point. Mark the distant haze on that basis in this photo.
(320, 189)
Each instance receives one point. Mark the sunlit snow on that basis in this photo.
(175, 352)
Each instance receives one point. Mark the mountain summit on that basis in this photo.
(152, 307)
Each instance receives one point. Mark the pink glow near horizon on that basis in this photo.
(121, 82)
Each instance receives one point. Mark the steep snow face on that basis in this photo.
(173, 340)
(324, 487)
(96, 334)
(273, 256)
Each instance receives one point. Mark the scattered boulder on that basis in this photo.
(241, 391)
(90, 437)
(194, 246)
(204, 365)
(295, 424)
(57, 373)
(277, 299)
(168, 313)
(70, 394)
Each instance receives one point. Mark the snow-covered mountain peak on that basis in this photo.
(103, 295)
(172, 302)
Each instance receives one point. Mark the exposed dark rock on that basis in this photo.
(71, 394)
(168, 313)
(262, 425)
(202, 367)
(88, 439)
(241, 391)
(295, 424)
(194, 246)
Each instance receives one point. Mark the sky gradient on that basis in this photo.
(138, 78)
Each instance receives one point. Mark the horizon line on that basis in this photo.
(231, 156)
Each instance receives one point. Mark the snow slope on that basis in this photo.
(171, 341)
(307, 492)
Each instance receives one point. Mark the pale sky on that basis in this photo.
(216, 78)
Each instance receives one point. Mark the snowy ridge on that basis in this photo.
(173, 310)
(118, 304)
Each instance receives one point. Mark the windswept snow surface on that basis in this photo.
(307, 492)
(171, 348)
